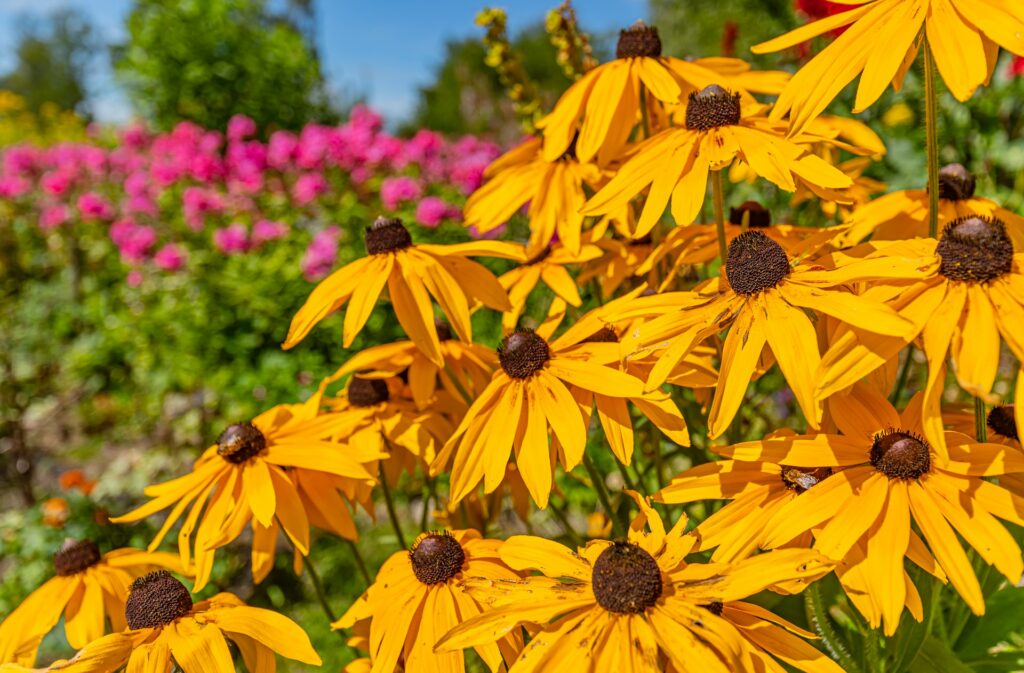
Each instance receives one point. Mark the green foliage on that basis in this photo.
(697, 28)
(207, 60)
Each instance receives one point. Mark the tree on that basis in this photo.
(207, 60)
(691, 27)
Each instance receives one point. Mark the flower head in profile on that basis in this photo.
(881, 42)
(413, 273)
(885, 475)
(629, 605)
(418, 597)
(88, 588)
(165, 629)
(676, 162)
(549, 266)
(278, 473)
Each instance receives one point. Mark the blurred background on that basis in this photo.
(175, 176)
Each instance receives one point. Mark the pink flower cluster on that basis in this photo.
(159, 197)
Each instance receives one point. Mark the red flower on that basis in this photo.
(1017, 67)
(819, 9)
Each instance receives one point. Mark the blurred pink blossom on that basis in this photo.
(92, 206)
(268, 230)
(321, 254)
(433, 210)
(395, 191)
(308, 187)
(232, 239)
(169, 258)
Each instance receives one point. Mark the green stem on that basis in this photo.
(901, 382)
(627, 478)
(360, 563)
(391, 508)
(932, 130)
(564, 520)
(718, 198)
(602, 495)
(318, 586)
(430, 495)
(980, 420)
(817, 617)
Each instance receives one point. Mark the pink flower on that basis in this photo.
(268, 230)
(308, 187)
(1017, 67)
(432, 210)
(169, 258)
(133, 241)
(12, 186)
(56, 182)
(92, 206)
(232, 239)
(240, 127)
(321, 254)
(394, 191)
(134, 278)
(196, 202)
(52, 217)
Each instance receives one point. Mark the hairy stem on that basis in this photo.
(360, 563)
(817, 617)
(602, 495)
(386, 490)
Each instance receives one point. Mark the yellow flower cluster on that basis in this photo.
(18, 124)
(686, 312)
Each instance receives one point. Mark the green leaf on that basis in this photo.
(1004, 614)
(935, 655)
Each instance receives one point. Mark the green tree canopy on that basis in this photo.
(699, 28)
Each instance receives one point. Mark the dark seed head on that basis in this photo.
(367, 392)
(800, 479)
(387, 234)
(436, 558)
(74, 556)
(975, 250)
(605, 335)
(711, 107)
(638, 40)
(955, 183)
(900, 455)
(757, 215)
(715, 608)
(156, 600)
(523, 353)
(1002, 422)
(755, 263)
(626, 579)
(240, 442)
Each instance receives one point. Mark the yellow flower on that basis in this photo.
(418, 597)
(676, 162)
(88, 589)
(904, 214)
(885, 475)
(618, 263)
(278, 473)
(548, 265)
(413, 273)
(166, 629)
(553, 187)
(882, 42)
(616, 606)
(527, 399)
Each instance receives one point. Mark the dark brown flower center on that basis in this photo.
(711, 107)
(1002, 422)
(755, 263)
(899, 454)
(755, 214)
(605, 335)
(156, 600)
(523, 353)
(975, 250)
(638, 40)
(715, 608)
(240, 442)
(955, 183)
(436, 558)
(387, 234)
(367, 392)
(626, 579)
(74, 556)
(801, 479)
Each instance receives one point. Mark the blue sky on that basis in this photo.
(383, 50)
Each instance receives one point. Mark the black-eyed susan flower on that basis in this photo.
(553, 187)
(418, 597)
(676, 163)
(885, 474)
(88, 589)
(526, 403)
(166, 629)
(618, 263)
(881, 42)
(413, 274)
(964, 297)
(762, 299)
(264, 473)
(904, 214)
(548, 265)
(636, 605)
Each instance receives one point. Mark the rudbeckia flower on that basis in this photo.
(964, 296)
(166, 629)
(904, 214)
(885, 475)
(882, 42)
(89, 588)
(526, 401)
(554, 188)
(634, 605)
(548, 265)
(761, 298)
(676, 163)
(618, 263)
(418, 597)
(265, 473)
(412, 273)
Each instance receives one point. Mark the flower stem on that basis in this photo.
(718, 198)
(901, 382)
(602, 495)
(980, 420)
(932, 131)
(818, 618)
(563, 519)
(318, 586)
(386, 490)
(360, 563)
